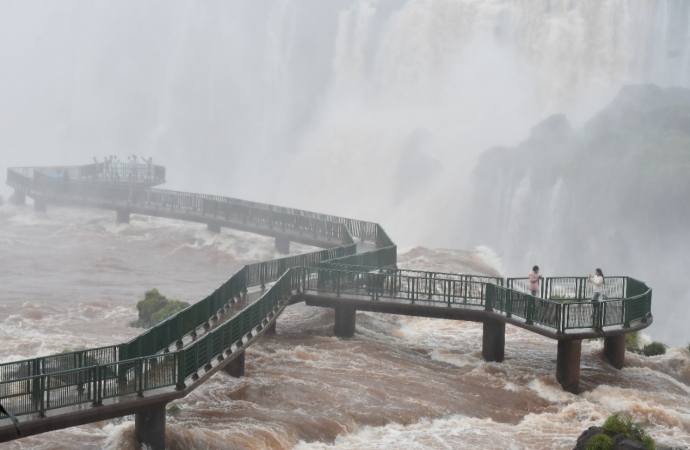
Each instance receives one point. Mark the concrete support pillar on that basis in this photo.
(149, 427)
(345, 318)
(283, 244)
(18, 198)
(235, 367)
(214, 227)
(568, 364)
(40, 205)
(271, 328)
(614, 350)
(493, 340)
(122, 216)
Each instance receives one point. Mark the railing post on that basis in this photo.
(447, 290)
(180, 355)
(36, 389)
(509, 303)
(595, 315)
(542, 287)
(41, 404)
(413, 289)
(623, 315)
(529, 320)
(98, 386)
(559, 314)
(626, 313)
(304, 279)
(139, 374)
(490, 291)
(80, 374)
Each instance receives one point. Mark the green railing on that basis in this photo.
(93, 383)
(110, 172)
(269, 217)
(412, 273)
(559, 316)
(385, 255)
(571, 287)
(148, 363)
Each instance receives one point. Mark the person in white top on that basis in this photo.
(597, 284)
(597, 288)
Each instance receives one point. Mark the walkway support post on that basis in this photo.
(345, 318)
(614, 350)
(493, 340)
(271, 328)
(568, 364)
(122, 216)
(282, 244)
(149, 427)
(235, 368)
(40, 205)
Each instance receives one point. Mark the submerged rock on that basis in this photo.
(585, 437)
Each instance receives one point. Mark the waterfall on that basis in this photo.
(320, 105)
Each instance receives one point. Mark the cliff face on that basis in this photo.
(614, 194)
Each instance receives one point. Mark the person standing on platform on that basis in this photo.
(597, 288)
(534, 279)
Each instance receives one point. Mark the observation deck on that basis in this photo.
(355, 270)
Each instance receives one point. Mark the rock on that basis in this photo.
(553, 128)
(156, 308)
(629, 444)
(586, 435)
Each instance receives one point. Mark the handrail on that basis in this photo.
(114, 172)
(550, 313)
(410, 272)
(572, 288)
(146, 362)
(203, 203)
(213, 207)
(125, 366)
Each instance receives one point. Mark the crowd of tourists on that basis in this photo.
(113, 168)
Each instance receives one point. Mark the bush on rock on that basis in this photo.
(155, 308)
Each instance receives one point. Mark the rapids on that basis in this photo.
(72, 278)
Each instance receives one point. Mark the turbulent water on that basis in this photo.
(363, 108)
(71, 278)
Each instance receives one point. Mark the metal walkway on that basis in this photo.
(355, 271)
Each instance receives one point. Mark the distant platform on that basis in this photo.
(123, 174)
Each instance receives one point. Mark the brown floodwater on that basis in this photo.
(72, 278)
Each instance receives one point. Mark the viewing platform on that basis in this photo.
(356, 270)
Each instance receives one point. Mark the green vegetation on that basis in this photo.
(155, 308)
(621, 423)
(600, 442)
(648, 442)
(632, 342)
(617, 423)
(172, 409)
(654, 349)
